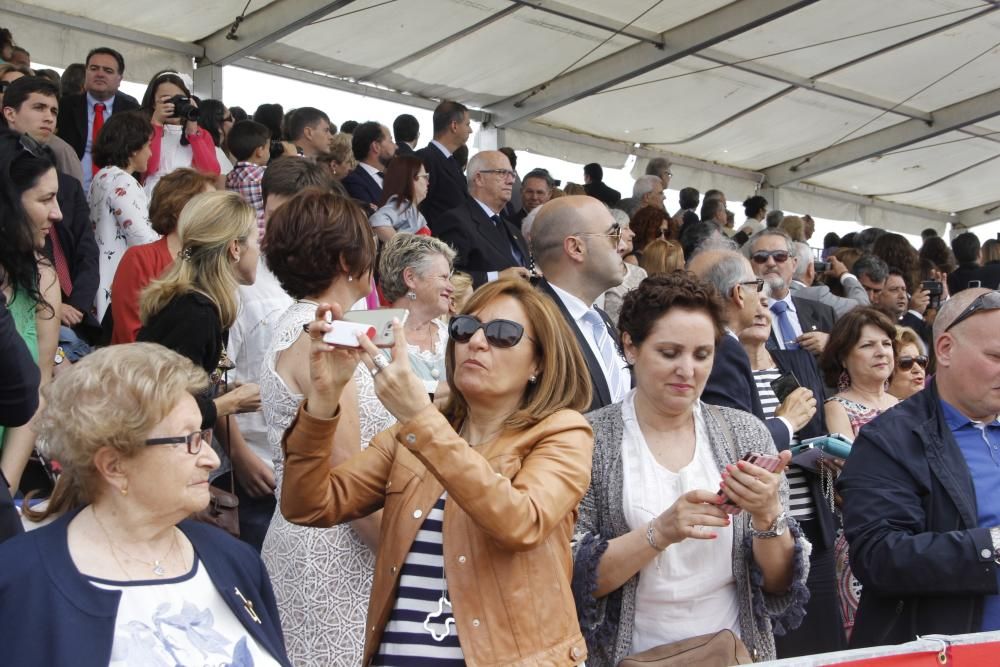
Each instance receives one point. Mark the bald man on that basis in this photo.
(921, 491)
(574, 241)
(488, 247)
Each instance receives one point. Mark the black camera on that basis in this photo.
(183, 108)
(820, 267)
(936, 289)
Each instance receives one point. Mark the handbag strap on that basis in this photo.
(225, 442)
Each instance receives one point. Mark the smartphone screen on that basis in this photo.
(784, 385)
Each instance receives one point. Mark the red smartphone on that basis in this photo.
(769, 462)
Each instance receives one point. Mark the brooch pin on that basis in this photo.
(248, 605)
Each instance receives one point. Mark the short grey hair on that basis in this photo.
(803, 253)
(771, 232)
(621, 217)
(874, 267)
(408, 251)
(727, 273)
(646, 184)
(477, 163)
(774, 218)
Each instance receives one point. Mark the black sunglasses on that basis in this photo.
(759, 284)
(760, 257)
(988, 301)
(906, 363)
(194, 441)
(499, 333)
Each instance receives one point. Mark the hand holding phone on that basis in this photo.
(769, 462)
(381, 320)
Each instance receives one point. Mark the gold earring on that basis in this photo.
(124, 489)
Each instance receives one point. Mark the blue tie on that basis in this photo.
(780, 310)
(514, 252)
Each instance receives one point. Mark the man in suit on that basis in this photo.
(487, 246)
(30, 107)
(805, 275)
(448, 187)
(575, 243)
(82, 116)
(896, 301)
(406, 131)
(967, 253)
(373, 148)
(593, 185)
(796, 322)
(731, 382)
(536, 188)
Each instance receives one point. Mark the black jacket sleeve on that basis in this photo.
(19, 373)
(81, 246)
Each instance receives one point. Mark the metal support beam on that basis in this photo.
(700, 33)
(98, 28)
(208, 82)
(593, 20)
(440, 44)
(257, 30)
(979, 215)
(862, 200)
(945, 119)
(327, 81)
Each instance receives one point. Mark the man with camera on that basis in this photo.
(805, 274)
(82, 116)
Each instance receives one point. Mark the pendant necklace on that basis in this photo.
(443, 603)
(157, 565)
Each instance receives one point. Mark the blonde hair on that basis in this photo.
(661, 256)
(462, 282)
(113, 398)
(794, 226)
(907, 336)
(207, 225)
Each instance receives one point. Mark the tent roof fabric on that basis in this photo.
(887, 104)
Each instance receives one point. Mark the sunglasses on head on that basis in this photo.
(760, 257)
(906, 363)
(499, 333)
(987, 301)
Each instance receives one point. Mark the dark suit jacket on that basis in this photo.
(362, 188)
(813, 316)
(918, 324)
(478, 241)
(730, 384)
(988, 275)
(606, 194)
(72, 121)
(403, 148)
(600, 393)
(76, 235)
(448, 187)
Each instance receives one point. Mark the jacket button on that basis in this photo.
(417, 514)
(475, 622)
(410, 438)
(461, 559)
(393, 570)
(388, 484)
(575, 652)
(985, 553)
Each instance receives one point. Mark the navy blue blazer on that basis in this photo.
(910, 517)
(480, 245)
(731, 385)
(51, 614)
(448, 187)
(362, 187)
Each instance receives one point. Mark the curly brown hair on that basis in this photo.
(657, 294)
(895, 250)
(312, 237)
(646, 224)
(846, 335)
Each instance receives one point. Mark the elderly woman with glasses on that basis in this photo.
(478, 500)
(122, 576)
(910, 375)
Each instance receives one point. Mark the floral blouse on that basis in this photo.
(119, 212)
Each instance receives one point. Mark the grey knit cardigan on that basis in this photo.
(607, 623)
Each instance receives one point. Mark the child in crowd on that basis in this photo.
(249, 142)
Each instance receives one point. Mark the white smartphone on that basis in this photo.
(381, 319)
(345, 334)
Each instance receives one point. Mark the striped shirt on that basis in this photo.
(800, 500)
(421, 586)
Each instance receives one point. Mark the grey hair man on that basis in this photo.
(648, 190)
(660, 167)
(872, 272)
(797, 322)
(574, 241)
(805, 275)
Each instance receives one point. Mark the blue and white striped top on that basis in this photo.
(421, 586)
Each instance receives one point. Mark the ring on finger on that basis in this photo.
(380, 362)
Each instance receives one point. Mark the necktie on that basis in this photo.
(780, 310)
(612, 361)
(98, 124)
(59, 259)
(502, 229)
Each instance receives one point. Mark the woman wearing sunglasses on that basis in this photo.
(121, 577)
(911, 364)
(479, 499)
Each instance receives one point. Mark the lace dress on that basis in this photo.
(322, 577)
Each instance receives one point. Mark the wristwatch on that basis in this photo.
(777, 528)
(995, 538)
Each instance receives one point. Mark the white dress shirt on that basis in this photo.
(792, 316)
(373, 172)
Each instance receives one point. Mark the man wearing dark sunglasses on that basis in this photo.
(795, 322)
(575, 244)
(921, 491)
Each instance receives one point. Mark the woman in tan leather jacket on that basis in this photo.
(480, 499)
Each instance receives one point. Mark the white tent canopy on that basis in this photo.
(880, 112)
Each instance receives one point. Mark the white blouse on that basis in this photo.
(172, 156)
(689, 589)
(119, 212)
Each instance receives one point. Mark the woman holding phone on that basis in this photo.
(656, 558)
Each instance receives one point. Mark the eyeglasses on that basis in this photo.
(499, 333)
(615, 233)
(504, 173)
(194, 441)
(988, 301)
(761, 256)
(906, 363)
(758, 283)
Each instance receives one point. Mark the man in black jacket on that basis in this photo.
(448, 187)
(921, 493)
(593, 185)
(79, 114)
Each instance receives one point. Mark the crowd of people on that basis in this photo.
(576, 445)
